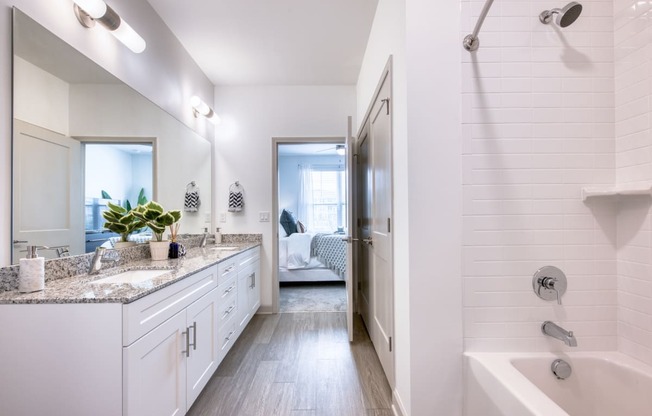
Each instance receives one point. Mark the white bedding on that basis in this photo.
(294, 251)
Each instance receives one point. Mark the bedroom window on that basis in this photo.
(328, 198)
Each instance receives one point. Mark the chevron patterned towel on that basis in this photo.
(236, 201)
(191, 201)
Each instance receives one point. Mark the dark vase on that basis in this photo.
(174, 250)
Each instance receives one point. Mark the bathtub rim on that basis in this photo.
(499, 366)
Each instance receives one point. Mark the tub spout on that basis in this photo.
(553, 330)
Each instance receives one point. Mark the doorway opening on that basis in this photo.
(117, 173)
(312, 204)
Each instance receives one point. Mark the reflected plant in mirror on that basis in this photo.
(79, 130)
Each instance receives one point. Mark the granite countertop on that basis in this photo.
(81, 289)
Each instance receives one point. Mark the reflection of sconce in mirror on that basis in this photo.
(200, 107)
(90, 11)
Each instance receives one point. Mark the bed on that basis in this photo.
(311, 257)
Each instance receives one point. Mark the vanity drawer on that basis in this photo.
(248, 257)
(147, 313)
(227, 310)
(227, 289)
(226, 269)
(227, 337)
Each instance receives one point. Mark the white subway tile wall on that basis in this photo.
(633, 77)
(538, 125)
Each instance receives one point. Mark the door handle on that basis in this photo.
(368, 241)
(21, 241)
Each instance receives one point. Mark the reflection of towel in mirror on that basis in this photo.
(191, 201)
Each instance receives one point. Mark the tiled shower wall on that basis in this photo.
(633, 79)
(538, 125)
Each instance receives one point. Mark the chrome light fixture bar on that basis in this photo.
(199, 107)
(472, 42)
(90, 11)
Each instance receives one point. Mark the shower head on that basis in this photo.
(565, 16)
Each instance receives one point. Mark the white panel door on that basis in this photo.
(47, 190)
(201, 321)
(380, 247)
(155, 371)
(375, 262)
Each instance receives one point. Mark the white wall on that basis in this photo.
(289, 178)
(434, 146)
(40, 97)
(108, 169)
(182, 156)
(538, 125)
(633, 74)
(165, 73)
(251, 117)
(387, 38)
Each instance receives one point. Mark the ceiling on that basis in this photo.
(273, 42)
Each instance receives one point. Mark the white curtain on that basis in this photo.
(305, 196)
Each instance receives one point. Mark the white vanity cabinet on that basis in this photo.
(248, 287)
(152, 356)
(165, 370)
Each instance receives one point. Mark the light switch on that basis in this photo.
(263, 216)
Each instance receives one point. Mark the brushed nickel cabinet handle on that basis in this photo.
(187, 350)
(194, 335)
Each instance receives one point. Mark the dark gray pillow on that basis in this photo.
(288, 222)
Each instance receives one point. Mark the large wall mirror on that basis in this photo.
(81, 138)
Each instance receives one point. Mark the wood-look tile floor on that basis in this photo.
(298, 364)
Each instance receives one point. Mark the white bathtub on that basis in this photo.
(515, 384)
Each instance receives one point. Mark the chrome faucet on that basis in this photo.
(553, 330)
(96, 262)
(202, 244)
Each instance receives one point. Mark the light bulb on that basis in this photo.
(94, 8)
(202, 108)
(132, 40)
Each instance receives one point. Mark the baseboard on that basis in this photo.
(264, 310)
(397, 405)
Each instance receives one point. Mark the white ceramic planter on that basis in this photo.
(159, 249)
(124, 244)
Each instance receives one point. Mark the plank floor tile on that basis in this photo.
(298, 364)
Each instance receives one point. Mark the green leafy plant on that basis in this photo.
(121, 221)
(156, 218)
(142, 199)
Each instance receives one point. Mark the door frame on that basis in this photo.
(276, 141)
(153, 141)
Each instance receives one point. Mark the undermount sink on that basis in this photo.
(226, 248)
(132, 276)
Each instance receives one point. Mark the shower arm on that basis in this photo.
(471, 42)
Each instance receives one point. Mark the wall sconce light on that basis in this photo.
(340, 149)
(200, 107)
(90, 11)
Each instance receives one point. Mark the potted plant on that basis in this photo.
(121, 221)
(156, 218)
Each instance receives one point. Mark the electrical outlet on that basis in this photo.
(222, 216)
(207, 217)
(263, 216)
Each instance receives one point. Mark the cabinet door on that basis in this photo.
(201, 320)
(243, 300)
(155, 371)
(254, 288)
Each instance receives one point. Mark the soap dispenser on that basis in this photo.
(31, 275)
(218, 236)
